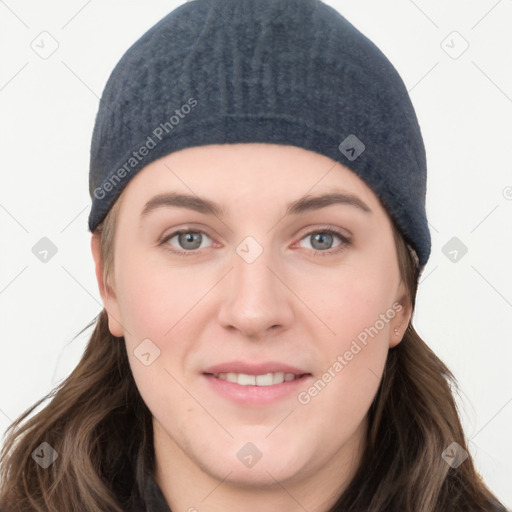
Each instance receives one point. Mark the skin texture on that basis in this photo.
(298, 303)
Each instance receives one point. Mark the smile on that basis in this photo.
(256, 384)
(266, 379)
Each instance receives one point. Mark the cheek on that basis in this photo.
(359, 309)
(153, 307)
(152, 298)
(155, 304)
(351, 296)
(357, 301)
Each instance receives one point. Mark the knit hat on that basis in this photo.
(281, 72)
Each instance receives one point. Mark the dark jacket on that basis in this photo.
(153, 500)
(150, 500)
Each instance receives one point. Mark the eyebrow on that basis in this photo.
(202, 205)
(309, 203)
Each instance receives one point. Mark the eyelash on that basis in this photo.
(345, 242)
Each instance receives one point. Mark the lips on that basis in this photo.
(266, 379)
(247, 371)
(255, 384)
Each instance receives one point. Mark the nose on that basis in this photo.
(256, 301)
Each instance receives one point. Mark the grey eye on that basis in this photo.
(188, 240)
(321, 240)
(325, 241)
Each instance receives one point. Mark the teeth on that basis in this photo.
(232, 377)
(278, 377)
(246, 380)
(267, 379)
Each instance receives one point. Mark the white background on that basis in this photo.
(464, 105)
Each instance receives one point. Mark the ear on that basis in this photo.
(106, 291)
(403, 312)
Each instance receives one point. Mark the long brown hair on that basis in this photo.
(102, 432)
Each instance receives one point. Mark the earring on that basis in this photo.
(396, 331)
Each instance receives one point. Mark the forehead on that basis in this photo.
(243, 174)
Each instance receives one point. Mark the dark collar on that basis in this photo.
(153, 497)
(148, 499)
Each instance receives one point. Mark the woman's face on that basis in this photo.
(258, 336)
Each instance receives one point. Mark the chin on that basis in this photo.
(260, 476)
(253, 464)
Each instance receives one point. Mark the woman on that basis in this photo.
(258, 227)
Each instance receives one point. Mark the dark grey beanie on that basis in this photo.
(283, 72)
